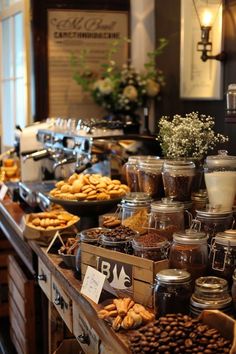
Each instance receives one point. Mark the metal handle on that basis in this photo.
(83, 338)
(42, 277)
(58, 299)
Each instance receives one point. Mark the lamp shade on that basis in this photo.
(207, 11)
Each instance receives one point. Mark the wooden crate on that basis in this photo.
(120, 266)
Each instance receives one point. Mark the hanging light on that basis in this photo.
(207, 12)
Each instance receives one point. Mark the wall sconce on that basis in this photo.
(207, 12)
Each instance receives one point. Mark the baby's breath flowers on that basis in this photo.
(121, 90)
(190, 136)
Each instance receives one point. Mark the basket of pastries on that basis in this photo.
(41, 227)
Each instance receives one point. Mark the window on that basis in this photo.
(14, 90)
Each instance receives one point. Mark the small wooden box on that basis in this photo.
(137, 272)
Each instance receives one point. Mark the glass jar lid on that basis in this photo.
(222, 160)
(136, 158)
(179, 164)
(226, 238)
(167, 205)
(210, 304)
(213, 213)
(190, 236)
(211, 285)
(136, 199)
(151, 163)
(173, 276)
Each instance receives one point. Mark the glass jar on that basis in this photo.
(220, 178)
(90, 236)
(118, 239)
(172, 292)
(199, 201)
(213, 221)
(189, 251)
(113, 245)
(223, 254)
(150, 177)
(167, 217)
(210, 293)
(151, 246)
(233, 290)
(135, 208)
(178, 176)
(131, 170)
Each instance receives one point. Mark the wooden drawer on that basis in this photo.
(21, 308)
(87, 337)
(62, 303)
(44, 279)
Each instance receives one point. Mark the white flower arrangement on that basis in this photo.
(190, 136)
(121, 90)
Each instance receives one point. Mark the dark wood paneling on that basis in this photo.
(39, 40)
(168, 25)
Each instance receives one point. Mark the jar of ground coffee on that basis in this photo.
(167, 217)
(223, 255)
(189, 251)
(131, 170)
(150, 177)
(151, 245)
(178, 177)
(172, 292)
(210, 293)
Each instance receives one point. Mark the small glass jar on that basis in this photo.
(90, 236)
(172, 292)
(178, 176)
(220, 178)
(189, 251)
(151, 246)
(131, 170)
(199, 201)
(118, 239)
(213, 221)
(223, 254)
(210, 293)
(135, 208)
(167, 217)
(150, 177)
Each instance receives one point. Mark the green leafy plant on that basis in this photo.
(120, 90)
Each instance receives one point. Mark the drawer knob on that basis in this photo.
(42, 277)
(83, 338)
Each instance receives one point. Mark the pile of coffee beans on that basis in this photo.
(178, 333)
(120, 233)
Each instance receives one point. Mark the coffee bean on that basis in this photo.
(188, 343)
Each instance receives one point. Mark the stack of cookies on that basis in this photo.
(81, 187)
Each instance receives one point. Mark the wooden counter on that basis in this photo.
(62, 280)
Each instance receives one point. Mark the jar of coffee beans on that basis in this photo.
(211, 293)
(178, 176)
(118, 239)
(150, 177)
(172, 292)
(189, 251)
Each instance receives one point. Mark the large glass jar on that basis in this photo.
(135, 208)
(213, 221)
(210, 293)
(167, 217)
(220, 178)
(151, 246)
(178, 176)
(131, 170)
(223, 254)
(150, 177)
(172, 292)
(118, 239)
(189, 251)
